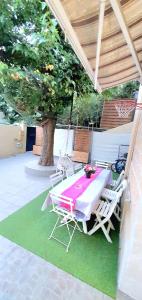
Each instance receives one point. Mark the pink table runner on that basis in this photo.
(78, 187)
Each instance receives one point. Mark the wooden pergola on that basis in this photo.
(106, 36)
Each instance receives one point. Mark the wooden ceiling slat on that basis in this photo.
(120, 72)
(94, 18)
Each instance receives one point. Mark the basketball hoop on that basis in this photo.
(125, 107)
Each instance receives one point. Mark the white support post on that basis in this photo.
(123, 25)
(134, 133)
(60, 14)
(100, 30)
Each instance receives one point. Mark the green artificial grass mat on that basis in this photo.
(90, 258)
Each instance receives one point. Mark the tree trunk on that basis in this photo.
(46, 158)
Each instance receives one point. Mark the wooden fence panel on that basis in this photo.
(110, 118)
(82, 141)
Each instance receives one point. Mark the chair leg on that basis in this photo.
(117, 212)
(111, 225)
(69, 221)
(51, 209)
(106, 233)
(84, 227)
(54, 228)
(101, 225)
(71, 236)
(77, 226)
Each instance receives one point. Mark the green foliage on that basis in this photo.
(10, 114)
(86, 109)
(39, 73)
(122, 91)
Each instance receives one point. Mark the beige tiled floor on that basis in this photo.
(25, 276)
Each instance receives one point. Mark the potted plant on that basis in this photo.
(89, 170)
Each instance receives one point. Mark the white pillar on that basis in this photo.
(100, 30)
(134, 132)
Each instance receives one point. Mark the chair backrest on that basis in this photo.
(56, 177)
(106, 209)
(60, 167)
(112, 195)
(64, 162)
(69, 172)
(122, 186)
(119, 179)
(109, 207)
(61, 204)
(101, 164)
(112, 205)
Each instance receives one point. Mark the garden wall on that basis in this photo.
(12, 140)
(104, 145)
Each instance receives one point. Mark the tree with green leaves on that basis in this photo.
(39, 73)
(10, 114)
(86, 109)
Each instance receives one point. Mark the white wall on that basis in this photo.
(63, 141)
(105, 146)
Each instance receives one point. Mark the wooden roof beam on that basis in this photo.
(100, 30)
(123, 25)
(60, 14)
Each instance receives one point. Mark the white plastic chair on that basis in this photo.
(56, 177)
(115, 183)
(60, 167)
(103, 214)
(65, 217)
(102, 164)
(64, 164)
(69, 172)
(110, 195)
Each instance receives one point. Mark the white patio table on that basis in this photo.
(88, 200)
